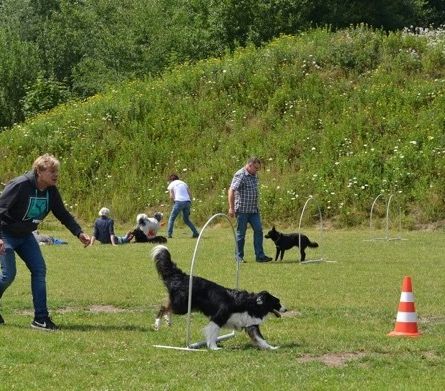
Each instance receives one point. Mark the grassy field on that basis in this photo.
(334, 335)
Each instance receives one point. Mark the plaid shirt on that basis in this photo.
(245, 187)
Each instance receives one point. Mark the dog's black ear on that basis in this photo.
(141, 221)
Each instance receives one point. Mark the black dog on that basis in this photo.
(230, 308)
(140, 237)
(284, 242)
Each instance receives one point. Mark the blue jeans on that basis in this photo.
(179, 206)
(254, 220)
(28, 249)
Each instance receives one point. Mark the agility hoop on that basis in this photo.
(321, 259)
(179, 348)
(387, 219)
(197, 345)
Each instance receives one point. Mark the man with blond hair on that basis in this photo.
(24, 203)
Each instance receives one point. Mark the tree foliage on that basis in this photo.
(89, 45)
(44, 94)
(19, 65)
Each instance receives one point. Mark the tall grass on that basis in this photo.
(341, 116)
(333, 337)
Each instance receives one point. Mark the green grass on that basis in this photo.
(334, 335)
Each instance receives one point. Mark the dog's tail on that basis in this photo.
(164, 264)
(312, 244)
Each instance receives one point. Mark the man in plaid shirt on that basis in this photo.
(243, 203)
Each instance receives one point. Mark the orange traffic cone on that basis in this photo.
(406, 322)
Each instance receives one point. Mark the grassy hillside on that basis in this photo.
(341, 116)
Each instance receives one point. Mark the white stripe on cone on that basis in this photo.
(407, 297)
(406, 317)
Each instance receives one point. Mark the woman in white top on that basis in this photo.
(182, 201)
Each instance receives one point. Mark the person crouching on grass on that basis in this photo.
(24, 203)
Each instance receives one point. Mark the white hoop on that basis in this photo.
(189, 310)
(321, 259)
(195, 346)
(372, 209)
(387, 237)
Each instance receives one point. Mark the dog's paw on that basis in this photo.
(265, 346)
(213, 347)
(156, 325)
(167, 320)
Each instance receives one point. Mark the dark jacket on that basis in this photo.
(23, 206)
(103, 229)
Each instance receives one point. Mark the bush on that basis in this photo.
(44, 94)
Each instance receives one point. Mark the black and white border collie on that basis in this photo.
(228, 308)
